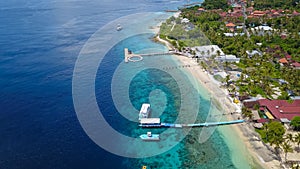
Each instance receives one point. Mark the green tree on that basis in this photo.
(287, 148)
(202, 53)
(274, 134)
(296, 123)
(215, 4)
(208, 52)
(227, 79)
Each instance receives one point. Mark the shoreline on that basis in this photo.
(256, 153)
(250, 149)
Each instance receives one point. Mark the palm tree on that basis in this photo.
(247, 113)
(202, 53)
(227, 79)
(218, 53)
(277, 143)
(289, 137)
(287, 148)
(208, 52)
(297, 140)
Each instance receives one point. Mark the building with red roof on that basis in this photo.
(295, 13)
(296, 65)
(280, 109)
(275, 14)
(230, 26)
(201, 9)
(223, 14)
(258, 13)
(288, 57)
(249, 10)
(283, 61)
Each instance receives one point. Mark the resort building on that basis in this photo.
(280, 110)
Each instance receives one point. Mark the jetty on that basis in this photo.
(129, 56)
(147, 122)
(155, 123)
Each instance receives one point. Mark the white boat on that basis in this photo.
(119, 27)
(150, 137)
(145, 111)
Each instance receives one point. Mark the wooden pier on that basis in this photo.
(206, 124)
(157, 54)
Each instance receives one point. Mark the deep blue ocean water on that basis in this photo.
(39, 45)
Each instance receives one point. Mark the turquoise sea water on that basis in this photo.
(189, 152)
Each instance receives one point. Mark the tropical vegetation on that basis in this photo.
(260, 72)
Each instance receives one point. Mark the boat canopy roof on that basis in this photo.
(145, 107)
(150, 121)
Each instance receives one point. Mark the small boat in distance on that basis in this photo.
(119, 27)
(150, 137)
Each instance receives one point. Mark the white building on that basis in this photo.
(234, 34)
(207, 51)
(228, 58)
(253, 52)
(185, 20)
(263, 28)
